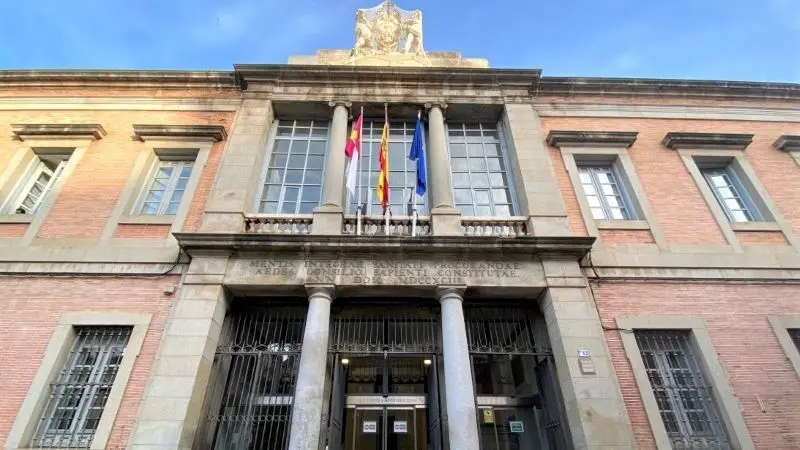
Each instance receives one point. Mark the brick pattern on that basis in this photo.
(736, 318)
(571, 205)
(31, 311)
(154, 231)
(627, 237)
(761, 238)
(13, 230)
(91, 192)
(677, 203)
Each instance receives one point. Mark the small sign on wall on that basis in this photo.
(369, 426)
(400, 426)
(488, 416)
(516, 426)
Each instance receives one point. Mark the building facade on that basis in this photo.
(596, 264)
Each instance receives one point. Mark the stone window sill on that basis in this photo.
(622, 224)
(755, 226)
(146, 220)
(16, 218)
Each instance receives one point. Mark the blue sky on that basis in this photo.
(755, 40)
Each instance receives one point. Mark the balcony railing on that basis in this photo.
(376, 226)
(278, 223)
(494, 226)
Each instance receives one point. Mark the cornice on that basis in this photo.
(558, 138)
(57, 131)
(788, 143)
(231, 243)
(727, 141)
(170, 132)
(126, 79)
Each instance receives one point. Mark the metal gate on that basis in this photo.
(249, 400)
(514, 375)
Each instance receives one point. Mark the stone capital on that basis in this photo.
(441, 105)
(335, 103)
(446, 292)
(326, 291)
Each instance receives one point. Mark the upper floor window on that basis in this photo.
(293, 178)
(604, 193)
(731, 194)
(80, 392)
(165, 190)
(684, 397)
(402, 171)
(479, 169)
(36, 183)
(794, 333)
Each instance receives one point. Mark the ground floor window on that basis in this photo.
(249, 401)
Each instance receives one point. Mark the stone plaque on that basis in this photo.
(380, 270)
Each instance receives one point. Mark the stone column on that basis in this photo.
(446, 220)
(593, 401)
(328, 216)
(171, 407)
(310, 387)
(462, 423)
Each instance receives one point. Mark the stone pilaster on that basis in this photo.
(446, 220)
(310, 387)
(593, 401)
(537, 187)
(236, 182)
(171, 408)
(328, 216)
(459, 393)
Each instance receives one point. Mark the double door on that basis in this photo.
(386, 428)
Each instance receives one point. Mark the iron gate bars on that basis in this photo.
(502, 330)
(387, 329)
(249, 401)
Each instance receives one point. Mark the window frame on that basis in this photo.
(58, 348)
(738, 189)
(178, 163)
(273, 138)
(729, 410)
(508, 171)
(626, 205)
(781, 325)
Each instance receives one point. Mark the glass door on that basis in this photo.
(400, 429)
(367, 429)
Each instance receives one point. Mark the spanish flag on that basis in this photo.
(383, 176)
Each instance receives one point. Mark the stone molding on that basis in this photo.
(216, 133)
(724, 141)
(132, 79)
(788, 143)
(557, 138)
(58, 131)
(683, 112)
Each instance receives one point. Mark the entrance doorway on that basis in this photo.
(387, 428)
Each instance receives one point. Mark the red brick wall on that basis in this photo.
(736, 318)
(142, 231)
(92, 190)
(31, 309)
(626, 236)
(761, 238)
(677, 203)
(13, 230)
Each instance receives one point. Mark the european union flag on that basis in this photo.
(417, 154)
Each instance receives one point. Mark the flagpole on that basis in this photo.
(414, 214)
(360, 151)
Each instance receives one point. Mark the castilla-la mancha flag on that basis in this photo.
(351, 151)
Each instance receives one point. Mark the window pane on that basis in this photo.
(297, 161)
(294, 176)
(485, 211)
(466, 210)
(477, 165)
(458, 150)
(494, 165)
(463, 196)
(150, 209)
(739, 216)
(288, 207)
(172, 209)
(275, 176)
(290, 194)
(307, 207)
(502, 210)
(460, 180)
(475, 150)
(482, 198)
(459, 165)
(313, 177)
(315, 162)
(598, 213)
(491, 149)
(500, 196)
(480, 180)
(498, 179)
(317, 147)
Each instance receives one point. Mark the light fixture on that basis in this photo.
(345, 361)
(427, 362)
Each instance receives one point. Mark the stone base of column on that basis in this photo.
(328, 220)
(446, 221)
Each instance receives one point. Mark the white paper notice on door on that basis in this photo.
(400, 426)
(369, 426)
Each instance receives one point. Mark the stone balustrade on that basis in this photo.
(494, 226)
(278, 223)
(376, 225)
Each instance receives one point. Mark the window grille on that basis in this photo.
(794, 333)
(293, 183)
(604, 193)
(731, 195)
(501, 330)
(479, 170)
(79, 394)
(166, 189)
(685, 399)
(402, 171)
(374, 330)
(250, 396)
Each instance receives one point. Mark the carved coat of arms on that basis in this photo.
(388, 29)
